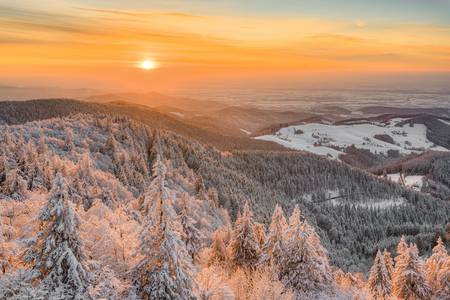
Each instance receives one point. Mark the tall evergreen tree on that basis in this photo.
(192, 236)
(244, 245)
(409, 279)
(437, 270)
(277, 228)
(57, 256)
(389, 262)
(3, 254)
(157, 186)
(303, 264)
(164, 272)
(379, 283)
(218, 249)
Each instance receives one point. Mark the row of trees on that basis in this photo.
(410, 278)
(290, 250)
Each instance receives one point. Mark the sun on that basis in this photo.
(147, 64)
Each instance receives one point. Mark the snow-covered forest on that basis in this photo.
(106, 207)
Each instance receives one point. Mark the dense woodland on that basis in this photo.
(102, 206)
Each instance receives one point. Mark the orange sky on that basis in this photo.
(95, 46)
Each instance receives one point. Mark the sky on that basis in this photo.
(101, 44)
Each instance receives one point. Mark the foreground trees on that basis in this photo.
(57, 256)
(165, 270)
(411, 278)
(244, 246)
(379, 283)
(437, 271)
(292, 255)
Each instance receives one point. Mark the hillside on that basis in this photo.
(387, 135)
(119, 178)
(297, 178)
(18, 112)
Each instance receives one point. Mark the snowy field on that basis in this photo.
(330, 140)
(413, 181)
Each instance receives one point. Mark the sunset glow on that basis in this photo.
(147, 64)
(215, 41)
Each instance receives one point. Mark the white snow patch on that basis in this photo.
(330, 140)
(357, 112)
(178, 114)
(445, 122)
(246, 131)
(385, 203)
(413, 181)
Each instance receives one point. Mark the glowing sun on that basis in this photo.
(147, 64)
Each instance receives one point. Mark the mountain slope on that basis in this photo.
(18, 112)
(355, 212)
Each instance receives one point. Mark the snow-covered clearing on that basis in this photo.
(413, 181)
(384, 203)
(330, 140)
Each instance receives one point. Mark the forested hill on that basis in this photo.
(355, 212)
(19, 112)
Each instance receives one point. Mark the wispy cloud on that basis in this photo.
(117, 38)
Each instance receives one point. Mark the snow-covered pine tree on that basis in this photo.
(303, 264)
(379, 283)
(157, 186)
(443, 277)
(401, 247)
(437, 270)
(165, 271)
(408, 281)
(244, 245)
(192, 235)
(389, 262)
(56, 256)
(260, 233)
(14, 185)
(3, 254)
(68, 139)
(218, 250)
(274, 238)
(85, 183)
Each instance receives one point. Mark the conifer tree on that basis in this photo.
(157, 186)
(218, 249)
(68, 139)
(244, 245)
(388, 261)
(379, 282)
(401, 247)
(409, 279)
(260, 233)
(57, 256)
(14, 185)
(164, 272)
(303, 264)
(192, 236)
(437, 270)
(3, 254)
(274, 238)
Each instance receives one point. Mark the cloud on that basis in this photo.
(40, 20)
